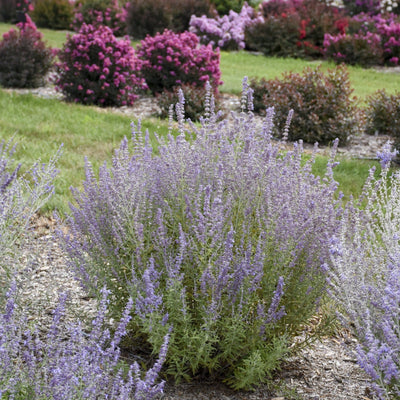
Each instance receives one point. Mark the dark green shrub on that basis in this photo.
(10, 8)
(53, 14)
(383, 115)
(323, 107)
(100, 12)
(24, 58)
(194, 101)
(154, 16)
(224, 6)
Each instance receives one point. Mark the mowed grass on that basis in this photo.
(40, 126)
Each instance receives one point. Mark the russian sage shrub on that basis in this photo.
(226, 32)
(21, 196)
(24, 57)
(97, 68)
(70, 360)
(365, 278)
(170, 59)
(218, 237)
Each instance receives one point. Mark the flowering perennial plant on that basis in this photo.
(68, 362)
(219, 237)
(21, 196)
(170, 59)
(226, 32)
(24, 57)
(96, 68)
(366, 274)
(361, 49)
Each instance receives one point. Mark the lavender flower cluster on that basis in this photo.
(226, 32)
(69, 363)
(219, 237)
(365, 277)
(21, 196)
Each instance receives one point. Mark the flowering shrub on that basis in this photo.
(170, 59)
(361, 49)
(323, 107)
(295, 28)
(9, 9)
(24, 57)
(53, 14)
(21, 196)
(390, 36)
(354, 7)
(365, 278)
(226, 32)
(96, 68)
(194, 101)
(154, 16)
(100, 12)
(69, 363)
(219, 238)
(383, 115)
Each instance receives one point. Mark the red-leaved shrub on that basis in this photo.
(24, 57)
(171, 59)
(96, 68)
(323, 107)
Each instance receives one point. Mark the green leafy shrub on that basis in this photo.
(218, 237)
(154, 16)
(224, 6)
(194, 101)
(383, 115)
(53, 14)
(96, 68)
(24, 58)
(171, 59)
(100, 12)
(323, 107)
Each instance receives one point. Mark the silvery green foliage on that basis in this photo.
(21, 196)
(73, 362)
(365, 278)
(218, 236)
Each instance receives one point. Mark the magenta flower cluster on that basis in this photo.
(226, 32)
(96, 68)
(380, 34)
(170, 59)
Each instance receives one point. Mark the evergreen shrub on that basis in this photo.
(218, 238)
(171, 59)
(154, 16)
(96, 68)
(24, 57)
(53, 14)
(322, 103)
